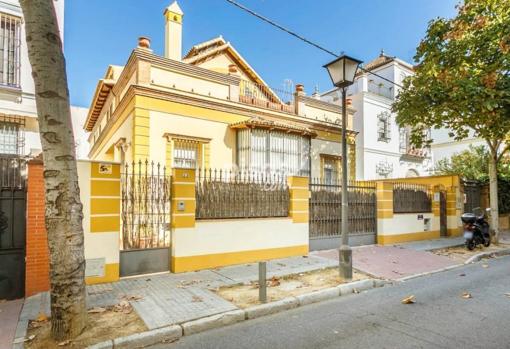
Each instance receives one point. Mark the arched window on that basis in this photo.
(384, 127)
(412, 173)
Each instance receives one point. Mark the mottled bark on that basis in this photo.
(63, 206)
(493, 192)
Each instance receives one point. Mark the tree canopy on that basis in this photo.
(462, 77)
(472, 164)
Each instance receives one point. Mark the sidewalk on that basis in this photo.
(168, 299)
(9, 313)
(398, 261)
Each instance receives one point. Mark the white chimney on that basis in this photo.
(173, 31)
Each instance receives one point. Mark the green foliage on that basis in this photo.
(472, 164)
(462, 78)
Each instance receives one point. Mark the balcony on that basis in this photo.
(262, 96)
(380, 89)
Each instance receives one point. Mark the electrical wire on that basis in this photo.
(290, 32)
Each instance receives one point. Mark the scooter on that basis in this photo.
(476, 228)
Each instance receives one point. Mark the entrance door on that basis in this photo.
(442, 214)
(12, 228)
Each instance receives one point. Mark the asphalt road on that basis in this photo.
(440, 318)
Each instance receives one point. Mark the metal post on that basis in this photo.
(262, 282)
(345, 252)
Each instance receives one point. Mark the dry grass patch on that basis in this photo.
(104, 324)
(247, 295)
(462, 254)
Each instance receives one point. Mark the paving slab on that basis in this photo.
(9, 313)
(390, 262)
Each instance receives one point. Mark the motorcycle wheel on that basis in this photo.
(471, 244)
(487, 241)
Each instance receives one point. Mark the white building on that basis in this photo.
(19, 131)
(444, 146)
(383, 149)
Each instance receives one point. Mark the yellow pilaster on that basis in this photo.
(183, 198)
(141, 134)
(384, 200)
(299, 191)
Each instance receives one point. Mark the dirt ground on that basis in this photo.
(278, 288)
(461, 254)
(102, 326)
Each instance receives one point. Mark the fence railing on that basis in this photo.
(263, 96)
(240, 194)
(326, 208)
(13, 172)
(411, 198)
(145, 206)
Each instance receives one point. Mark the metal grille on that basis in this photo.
(261, 150)
(411, 198)
(240, 194)
(326, 208)
(12, 227)
(10, 39)
(145, 206)
(12, 135)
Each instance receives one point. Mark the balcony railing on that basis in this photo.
(380, 90)
(265, 97)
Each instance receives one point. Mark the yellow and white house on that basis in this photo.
(210, 109)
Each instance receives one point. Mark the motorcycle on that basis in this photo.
(476, 228)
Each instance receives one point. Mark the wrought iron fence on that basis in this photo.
(240, 194)
(326, 208)
(145, 206)
(13, 172)
(411, 198)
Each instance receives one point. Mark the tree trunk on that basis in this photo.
(493, 192)
(63, 206)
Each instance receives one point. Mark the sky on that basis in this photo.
(102, 32)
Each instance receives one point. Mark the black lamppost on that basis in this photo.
(342, 72)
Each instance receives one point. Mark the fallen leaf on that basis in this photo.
(409, 300)
(96, 310)
(274, 282)
(30, 337)
(466, 295)
(61, 344)
(196, 299)
(355, 290)
(485, 265)
(462, 274)
(507, 294)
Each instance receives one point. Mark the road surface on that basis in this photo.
(440, 318)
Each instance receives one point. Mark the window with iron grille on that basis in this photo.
(11, 135)
(185, 154)
(331, 169)
(10, 35)
(384, 127)
(266, 151)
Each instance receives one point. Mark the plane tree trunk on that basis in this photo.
(63, 206)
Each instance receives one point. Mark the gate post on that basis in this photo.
(384, 211)
(183, 210)
(37, 276)
(299, 193)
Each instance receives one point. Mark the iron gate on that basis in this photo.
(473, 194)
(12, 227)
(145, 219)
(325, 217)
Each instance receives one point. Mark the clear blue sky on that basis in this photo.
(102, 32)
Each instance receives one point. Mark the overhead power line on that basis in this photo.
(302, 38)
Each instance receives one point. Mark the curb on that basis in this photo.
(405, 278)
(174, 332)
(479, 256)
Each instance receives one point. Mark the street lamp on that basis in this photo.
(342, 72)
